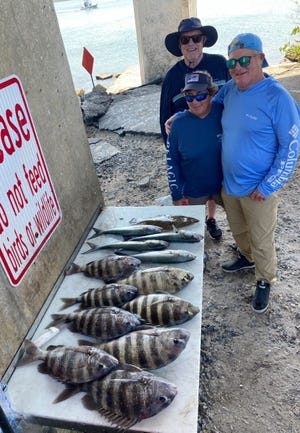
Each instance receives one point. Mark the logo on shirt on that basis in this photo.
(251, 116)
(294, 131)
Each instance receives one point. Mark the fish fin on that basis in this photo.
(175, 229)
(119, 251)
(129, 367)
(149, 330)
(122, 423)
(54, 346)
(89, 403)
(133, 221)
(68, 302)
(28, 353)
(143, 327)
(58, 319)
(93, 247)
(42, 368)
(98, 232)
(162, 292)
(73, 269)
(86, 343)
(68, 392)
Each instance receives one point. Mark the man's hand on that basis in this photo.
(256, 195)
(182, 202)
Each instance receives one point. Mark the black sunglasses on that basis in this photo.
(243, 61)
(184, 40)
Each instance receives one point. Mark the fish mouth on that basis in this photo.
(193, 311)
(187, 278)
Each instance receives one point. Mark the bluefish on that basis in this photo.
(165, 256)
(137, 245)
(137, 230)
(172, 236)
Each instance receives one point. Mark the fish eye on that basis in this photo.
(163, 399)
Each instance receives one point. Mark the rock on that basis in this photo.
(104, 76)
(102, 151)
(94, 105)
(136, 111)
(129, 79)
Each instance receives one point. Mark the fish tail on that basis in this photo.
(57, 319)
(98, 232)
(67, 393)
(73, 269)
(68, 302)
(92, 248)
(29, 353)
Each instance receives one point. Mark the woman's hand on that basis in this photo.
(168, 124)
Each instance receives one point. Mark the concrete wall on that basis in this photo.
(154, 19)
(31, 47)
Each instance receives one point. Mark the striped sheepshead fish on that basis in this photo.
(162, 309)
(158, 279)
(109, 295)
(125, 397)
(103, 323)
(70, 364)
(149, 348)
(109, 269)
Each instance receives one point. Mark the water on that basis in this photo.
(108, 32)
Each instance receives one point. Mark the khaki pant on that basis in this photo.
(252, 224)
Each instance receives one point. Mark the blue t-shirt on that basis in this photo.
(194, 154)
(260, 137)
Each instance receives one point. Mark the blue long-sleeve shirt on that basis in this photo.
(260, 137)
(194, 154)
(171, 99)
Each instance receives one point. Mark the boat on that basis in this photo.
(89, 5)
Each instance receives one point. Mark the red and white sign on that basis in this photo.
(29, 209)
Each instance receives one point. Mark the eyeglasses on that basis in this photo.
(243, 61)
(199, 97)
(184, 40)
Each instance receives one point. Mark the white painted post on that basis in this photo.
(154, 19)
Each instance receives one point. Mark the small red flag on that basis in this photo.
(87, 61)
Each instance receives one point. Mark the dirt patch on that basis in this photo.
(250, 369)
